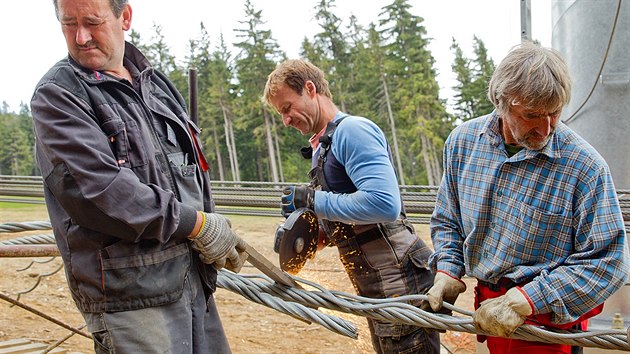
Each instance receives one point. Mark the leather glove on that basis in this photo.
(218, 245)
(445, 288)
(295, 197)
(502, 315)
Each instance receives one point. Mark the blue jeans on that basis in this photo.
(189, 325)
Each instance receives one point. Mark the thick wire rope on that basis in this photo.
(303, 304)
(397, 310)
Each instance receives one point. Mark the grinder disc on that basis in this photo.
(299, 240)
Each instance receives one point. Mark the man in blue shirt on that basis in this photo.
(528, 208)
(355, 196)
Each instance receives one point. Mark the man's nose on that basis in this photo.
(545, 125)
(83, 35)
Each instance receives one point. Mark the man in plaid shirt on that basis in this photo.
(528, 208)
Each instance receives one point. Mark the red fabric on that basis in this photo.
(499, 345)
(202, 159)
(314, 139)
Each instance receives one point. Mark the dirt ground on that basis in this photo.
(250, 327)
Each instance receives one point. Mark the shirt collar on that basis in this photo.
(492, 131)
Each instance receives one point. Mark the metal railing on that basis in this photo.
(260, 198)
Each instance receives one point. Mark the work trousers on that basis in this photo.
(500, 345)
(189, 325)
(389, 267)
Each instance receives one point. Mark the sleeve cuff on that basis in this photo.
(187, 221)
(529, 300)
(453, 277)
(450, 269)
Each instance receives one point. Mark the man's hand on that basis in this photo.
(502, 315)
(445, 288)
(218, 245)
(295, 197)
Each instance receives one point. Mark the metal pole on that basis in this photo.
(192, 90)
(43, 315)
(526, 20)
(29, 251)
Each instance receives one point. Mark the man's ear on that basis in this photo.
(310, 88)
(126, 16)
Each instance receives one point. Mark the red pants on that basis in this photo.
(500, 345)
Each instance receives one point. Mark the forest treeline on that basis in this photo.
(384, 72)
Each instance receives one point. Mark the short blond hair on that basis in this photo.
(295, 73)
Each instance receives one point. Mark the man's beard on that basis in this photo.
(528, 143)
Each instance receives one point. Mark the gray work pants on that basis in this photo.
(185, 326)
(388, 268)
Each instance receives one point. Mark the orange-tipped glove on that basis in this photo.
(218, 245)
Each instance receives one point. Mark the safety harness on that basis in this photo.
(339, 232)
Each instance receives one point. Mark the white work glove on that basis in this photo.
(218, 245)
(502, 315)
(445, 288)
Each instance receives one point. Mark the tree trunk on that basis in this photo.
(428, 165)
(270, 148)
(436, 170)
(229, 142)
(276, 141)
(217, 148)
(401, 173)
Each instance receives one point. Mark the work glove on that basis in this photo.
(295, 197)
(502, 315)
(218, 245)
(445, 288)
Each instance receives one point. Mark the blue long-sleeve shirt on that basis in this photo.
(550, 216)
(361, 147)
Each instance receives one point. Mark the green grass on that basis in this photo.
(10, 212)
(20, 205)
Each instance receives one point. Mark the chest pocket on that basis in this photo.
(125, 141)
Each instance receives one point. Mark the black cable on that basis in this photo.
(601, 68)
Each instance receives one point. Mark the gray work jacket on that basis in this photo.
(122, 182)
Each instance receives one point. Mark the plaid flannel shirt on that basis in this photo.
(550, 218)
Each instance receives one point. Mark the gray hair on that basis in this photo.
(532, 76)
(116, 5)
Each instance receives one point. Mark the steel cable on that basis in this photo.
(397, 310)
(30, 240)
(303, 304)
(25, 226)
(247, 288)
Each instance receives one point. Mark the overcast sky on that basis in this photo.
(32, 39)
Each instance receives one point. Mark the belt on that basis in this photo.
(371, 232)
(367, 233)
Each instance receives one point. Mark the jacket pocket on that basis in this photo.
(147, 279)
(187, 179)
(125, 141)
(418, 276)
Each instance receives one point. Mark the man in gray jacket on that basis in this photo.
(128, 193)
